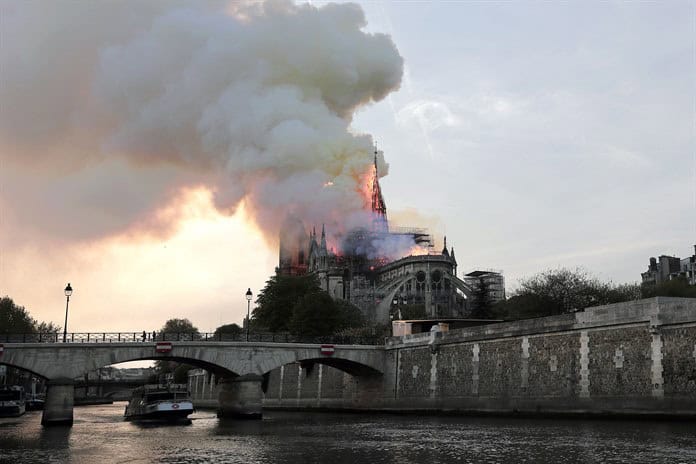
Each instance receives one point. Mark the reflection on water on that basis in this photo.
(99, 434)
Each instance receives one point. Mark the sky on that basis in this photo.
(533, 135)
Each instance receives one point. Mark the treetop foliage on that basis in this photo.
(562, 291)
(276, 301)
(16, 319)
(482, 304)
(296, 304)
(317, 314)
(233, 329)
(176, 325)
(678, 287)
(228, 332)
(568, 290)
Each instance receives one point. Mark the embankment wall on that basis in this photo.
(628, 358)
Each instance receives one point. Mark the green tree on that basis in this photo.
(522, 306)
(678, 287)
(276, 301)
(15, 319)
(623, 292)
(228, 331)
(48, 327)
(179, 328)
(411, 311)
(317, 314)
(350, 316)
(482, 304)
(565, 290)
(562, 291)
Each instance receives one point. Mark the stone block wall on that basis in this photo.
(499, 373)
(620, 362)
(414, 372)
(554, 366)
(679, 361)
(455, 368)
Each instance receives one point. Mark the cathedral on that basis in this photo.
(364, 270)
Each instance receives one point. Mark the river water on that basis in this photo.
(99, 435)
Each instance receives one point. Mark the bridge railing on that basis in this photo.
(144, 337)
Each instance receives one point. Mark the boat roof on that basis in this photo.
(11, 387)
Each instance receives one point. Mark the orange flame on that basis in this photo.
(417, 250)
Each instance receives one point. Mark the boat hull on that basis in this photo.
(161, 416)
(163, 411)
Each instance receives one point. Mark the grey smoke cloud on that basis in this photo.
(111, 108)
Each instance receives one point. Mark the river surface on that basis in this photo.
(99, 435)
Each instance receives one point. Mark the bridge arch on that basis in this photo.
(23, 368)
(218, 370)
(358, 361)
(351, 367)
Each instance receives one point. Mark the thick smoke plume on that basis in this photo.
(111, 111)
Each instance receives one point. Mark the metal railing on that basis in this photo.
(151, 337)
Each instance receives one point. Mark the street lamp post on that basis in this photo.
(248, 322)
(68, 292)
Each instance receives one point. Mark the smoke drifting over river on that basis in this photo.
(112, 111)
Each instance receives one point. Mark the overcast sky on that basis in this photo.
(534, 135)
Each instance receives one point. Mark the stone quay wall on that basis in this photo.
(635, 358)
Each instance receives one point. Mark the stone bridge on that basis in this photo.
(117, 390)
(240, 365)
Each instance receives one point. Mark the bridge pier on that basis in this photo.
(60, 398)
(241, 397)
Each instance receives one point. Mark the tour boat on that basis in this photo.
(12, 401)
(169, 403)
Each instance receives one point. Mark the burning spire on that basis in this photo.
(379, 208)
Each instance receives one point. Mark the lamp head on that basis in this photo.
(68, 290)
(248, 295)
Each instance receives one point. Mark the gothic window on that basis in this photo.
(436, 276)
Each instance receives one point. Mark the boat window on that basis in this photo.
(10, 395)
(161, 396)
